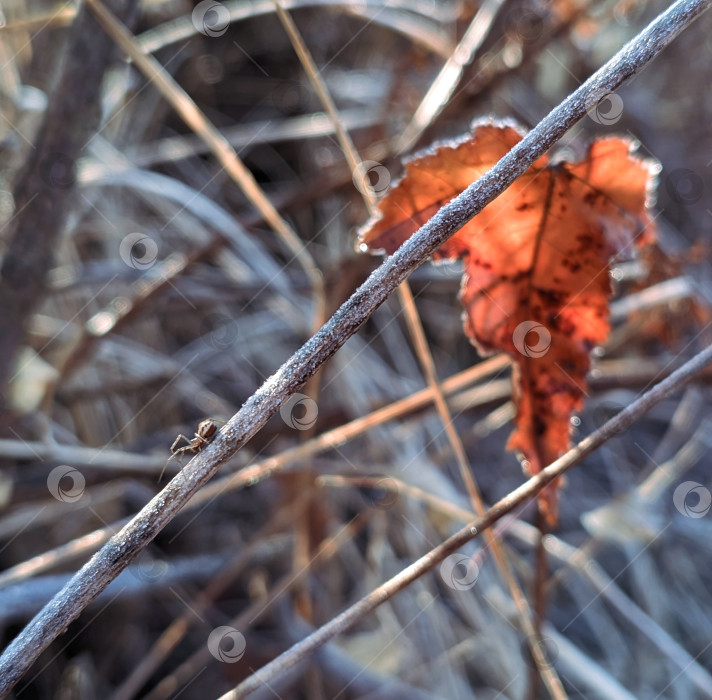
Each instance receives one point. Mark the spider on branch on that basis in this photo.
(207, 429)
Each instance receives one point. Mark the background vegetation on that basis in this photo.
(170, 299)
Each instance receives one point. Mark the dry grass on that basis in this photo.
(211, 228)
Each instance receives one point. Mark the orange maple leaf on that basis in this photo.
(536, 282)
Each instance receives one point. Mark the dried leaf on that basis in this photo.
(536, 282)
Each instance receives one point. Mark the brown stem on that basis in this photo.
(45, 186)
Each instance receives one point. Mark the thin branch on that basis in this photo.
(429, 33)
(94, 457)
(250, 474)
(180, 28)
(608, 589)
(171, 149)
(53, 558)
(304, 526)
(247, 617)
(44, 188)
(219, 146)
(525, 492)
(171, 637)
(118, 552)
(441, 89)
(570, 557)
(541, 666)
(441, 92)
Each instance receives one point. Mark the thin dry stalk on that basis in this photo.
(219, 146)
(421, 31)
(520, 495)
(442, 87)
(609, 590)
(46, 183)
(122, 548)
(98, 458)
(60, 555)
(183, 28)
(302, 550)
(257, 471)
(253, 612)
(440, 90)
(176, 631)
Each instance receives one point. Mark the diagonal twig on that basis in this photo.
(442, 88)
(219, 146)
(473, 38)
(118, 552)
(506, 505)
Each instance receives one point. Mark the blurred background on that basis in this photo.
(171, 295)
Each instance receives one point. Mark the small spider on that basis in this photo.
(207, 430)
